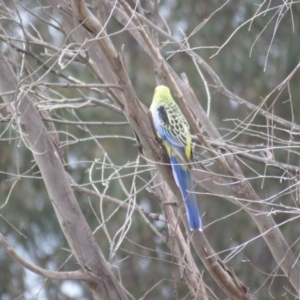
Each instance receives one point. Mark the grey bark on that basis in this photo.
(75, 228)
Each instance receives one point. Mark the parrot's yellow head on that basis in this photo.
(162, 95)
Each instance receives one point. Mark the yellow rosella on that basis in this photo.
(173, 129)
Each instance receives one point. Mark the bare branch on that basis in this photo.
(74, 275)
(65, 205)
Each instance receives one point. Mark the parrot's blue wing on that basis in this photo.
(176, 139)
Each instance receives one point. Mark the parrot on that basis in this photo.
(173, 130)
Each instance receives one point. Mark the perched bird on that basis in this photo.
(173, 129)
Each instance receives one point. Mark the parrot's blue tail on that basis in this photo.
(185, 183)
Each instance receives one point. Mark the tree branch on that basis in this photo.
(71, 219)
(74, 275)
